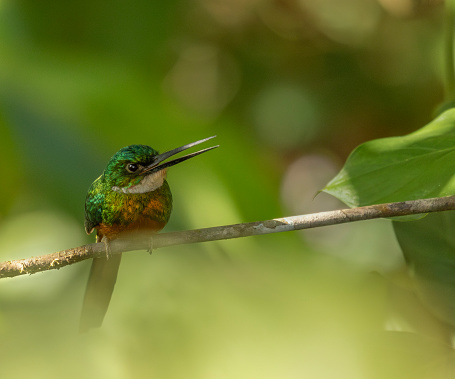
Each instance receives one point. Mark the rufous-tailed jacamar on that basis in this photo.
(130, 197)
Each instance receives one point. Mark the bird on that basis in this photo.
(130, 198)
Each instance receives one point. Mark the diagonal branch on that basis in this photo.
(94, 250)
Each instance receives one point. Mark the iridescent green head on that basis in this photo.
(125, 167)
(140, 168)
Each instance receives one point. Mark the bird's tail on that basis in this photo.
(100, 286)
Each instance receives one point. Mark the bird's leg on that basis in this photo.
(107, 246)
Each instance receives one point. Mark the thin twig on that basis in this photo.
(95, 250)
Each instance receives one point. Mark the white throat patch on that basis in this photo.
(148, 184)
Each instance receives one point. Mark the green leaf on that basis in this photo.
(428, 246)
(415, 166)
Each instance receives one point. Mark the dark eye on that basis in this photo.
(132, 167)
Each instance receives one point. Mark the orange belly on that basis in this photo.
(142, 225)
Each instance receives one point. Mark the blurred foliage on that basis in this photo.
(290, 88)
(428, 245)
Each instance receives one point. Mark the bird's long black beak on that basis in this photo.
(157, 164)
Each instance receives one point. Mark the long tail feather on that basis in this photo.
(98, 293)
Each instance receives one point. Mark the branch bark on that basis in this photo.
(95, 250)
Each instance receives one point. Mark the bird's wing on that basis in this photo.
(94, 207)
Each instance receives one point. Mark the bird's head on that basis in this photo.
(141, 169)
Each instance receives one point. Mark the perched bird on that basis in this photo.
(132, 196)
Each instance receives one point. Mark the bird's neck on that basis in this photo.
(148, 183)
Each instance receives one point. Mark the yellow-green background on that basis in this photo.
(289, 88)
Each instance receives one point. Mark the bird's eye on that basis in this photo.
(132, 167)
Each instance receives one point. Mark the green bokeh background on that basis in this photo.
(289, 88)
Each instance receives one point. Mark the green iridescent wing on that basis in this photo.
(94, 206)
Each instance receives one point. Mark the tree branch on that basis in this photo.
(94, 250)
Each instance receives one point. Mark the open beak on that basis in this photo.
(158, 164)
